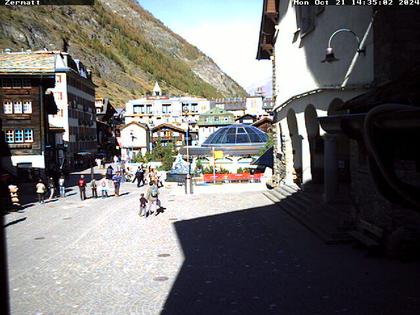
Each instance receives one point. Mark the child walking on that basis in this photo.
(143, 202)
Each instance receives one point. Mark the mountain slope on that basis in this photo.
(125, 46)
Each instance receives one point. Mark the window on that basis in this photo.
(10, 136)
(194, 108)
(29, 135)
(59, 95)
(58, 78)
(148, 109)
(216, 118)
(18, 135)
(17, 108)
(8, 107)
(166, 108)
(17, 83)
(26, 83)
(7, 83)
(27, 107)
(138, 109)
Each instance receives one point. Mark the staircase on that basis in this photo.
(328, 223)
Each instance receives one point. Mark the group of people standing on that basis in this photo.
(109, 181)
(42, 190)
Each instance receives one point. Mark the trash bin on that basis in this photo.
(188, 184)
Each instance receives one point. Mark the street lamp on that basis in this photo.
(132, 144)
(329, 54)
(188, 182)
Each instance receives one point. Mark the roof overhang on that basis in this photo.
(269, 19)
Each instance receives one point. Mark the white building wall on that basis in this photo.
(38, 161)
(298, 65)
(138, 145)
(61, 119)
(157, 117)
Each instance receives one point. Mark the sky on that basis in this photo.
(225, 30)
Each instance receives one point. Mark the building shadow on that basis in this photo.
(260, 261)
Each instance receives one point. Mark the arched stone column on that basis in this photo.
(287, 150)
(305, 149)
(316, 144)
(296, 142)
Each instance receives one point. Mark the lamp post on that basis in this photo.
(132, 144)
(188, 181)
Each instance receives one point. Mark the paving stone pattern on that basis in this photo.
(231, 252)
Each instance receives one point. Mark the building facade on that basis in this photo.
(158, 109)
(336, 111)
(305, 88)
(74, 94)
(170, 134)
(134, 139)
(213, 119)
(26, 101)
(106, 127)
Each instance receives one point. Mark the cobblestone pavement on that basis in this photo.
(226, 252)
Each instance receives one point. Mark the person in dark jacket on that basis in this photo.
(109, 172)
(139, 176)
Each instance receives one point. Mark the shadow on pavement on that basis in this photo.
(15, 222)
(261, 261)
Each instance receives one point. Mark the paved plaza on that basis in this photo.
(224, 250)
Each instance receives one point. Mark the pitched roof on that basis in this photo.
(262, 121)
(144, 126)
(34, 62)
(169, 126)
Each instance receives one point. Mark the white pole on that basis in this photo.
(356, 56)
(214, 167)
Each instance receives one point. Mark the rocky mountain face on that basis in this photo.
(125, 46)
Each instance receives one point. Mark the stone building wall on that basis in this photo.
(370, 205)
(396, 44)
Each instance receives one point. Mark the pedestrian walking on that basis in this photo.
(94, 188)
(51, 187)
(103, 184)
(152, 196)
(143, 202)
(61, 186)
(139, 176)
(40, 190)
(82, 187)
(109, 172)
(152, 175)
(117, 183)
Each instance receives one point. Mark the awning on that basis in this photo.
(267, 159)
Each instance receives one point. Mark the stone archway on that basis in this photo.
(296, 141)
(316, 144)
